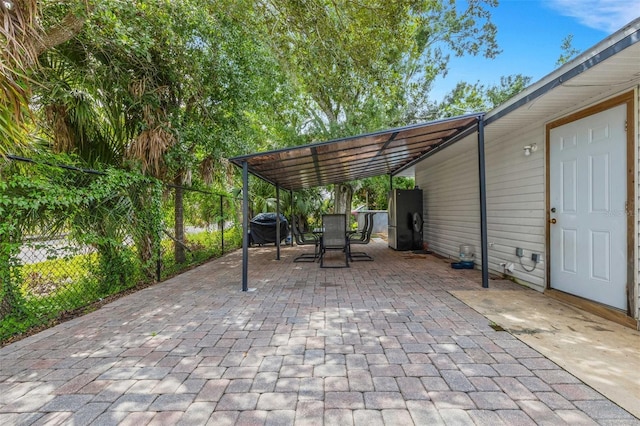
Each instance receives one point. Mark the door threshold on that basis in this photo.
(603, 311)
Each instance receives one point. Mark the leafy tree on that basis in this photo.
(361, 67)
(468, 98)
(465, 98)
(355, 61)
(307, 207)
(509, 87)
(567, 49)
(171, 87)
(373, 192)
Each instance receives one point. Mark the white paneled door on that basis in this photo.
(588, 187)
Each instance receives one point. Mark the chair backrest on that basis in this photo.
(366, 232)
(334, 230)
(365, 235)
(298, 235)
(363, 232)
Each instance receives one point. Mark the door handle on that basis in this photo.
(552, 220)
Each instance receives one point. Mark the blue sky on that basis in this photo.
(530, 33)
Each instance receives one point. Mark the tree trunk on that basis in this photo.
(62, 32)
(147, 227)
(342, 203)
(178, 250)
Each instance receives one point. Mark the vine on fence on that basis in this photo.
(107, 229)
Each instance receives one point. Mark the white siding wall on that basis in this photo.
(637, 200)
(515, 201)
(449, 181)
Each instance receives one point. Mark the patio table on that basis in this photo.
(318, 232)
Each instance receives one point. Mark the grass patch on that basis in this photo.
(496, 327)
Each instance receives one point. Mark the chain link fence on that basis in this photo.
(71, 239)
(206, 216)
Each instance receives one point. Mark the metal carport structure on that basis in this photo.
(387, 152)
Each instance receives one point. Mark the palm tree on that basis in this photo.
(25, 39)
(17, 59)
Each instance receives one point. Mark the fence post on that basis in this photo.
(159, 257)
(159, 262)
(222, 222)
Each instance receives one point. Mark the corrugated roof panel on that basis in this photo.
(353, 158)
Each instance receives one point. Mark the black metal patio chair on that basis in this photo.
(334, 238)
(363, 237)
(302, 239)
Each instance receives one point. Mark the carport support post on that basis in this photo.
(222, 223)
(483, 204)
(291, 220)
(277, 222)
(245, 225)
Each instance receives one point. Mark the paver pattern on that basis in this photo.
(379, 343)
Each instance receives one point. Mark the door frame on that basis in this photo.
(627, 99)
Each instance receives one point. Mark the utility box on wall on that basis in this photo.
(405, 219)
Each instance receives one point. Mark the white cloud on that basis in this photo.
(605, 15)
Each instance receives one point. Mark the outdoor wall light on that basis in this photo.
(530, 148)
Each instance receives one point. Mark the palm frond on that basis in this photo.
(149, 148)
(18, 32)
(206, 170)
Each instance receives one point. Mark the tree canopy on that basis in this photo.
(477, 97)
(173, 88)
(360, 66)
(321, 68)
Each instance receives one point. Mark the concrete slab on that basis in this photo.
(603, 354)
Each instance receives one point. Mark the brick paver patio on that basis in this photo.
(379, 343)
